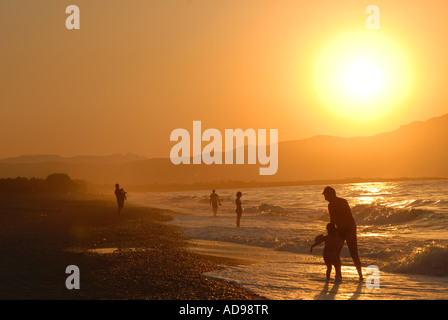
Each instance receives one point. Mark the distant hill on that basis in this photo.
(414, 150)
(110, 159)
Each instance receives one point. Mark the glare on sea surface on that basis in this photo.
(371, 192)
(372, 234)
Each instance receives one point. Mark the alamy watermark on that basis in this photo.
(73, 20)
(373, 20)
(215, 153)
(373, 280)
(73, 280)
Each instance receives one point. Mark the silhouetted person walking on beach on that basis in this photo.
(239, 208)
(341, 216)
(214, 200)
(121, 196)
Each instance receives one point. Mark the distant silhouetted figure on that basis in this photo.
(214, 201)
(341, 216)
(239, 208)
(121, 196)
(332, 250)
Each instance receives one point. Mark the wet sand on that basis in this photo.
(133, 257)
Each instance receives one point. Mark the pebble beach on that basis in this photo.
(133, 257)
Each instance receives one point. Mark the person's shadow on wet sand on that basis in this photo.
(331, 294)
(327, 293)
(358, 291)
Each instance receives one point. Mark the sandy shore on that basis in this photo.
(136, 256)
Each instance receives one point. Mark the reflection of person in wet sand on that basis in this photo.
(214, 201)
(239, 208)
(332, 250)
(121, 196)
(341, 216)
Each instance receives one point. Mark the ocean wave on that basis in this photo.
(266, 208)
(439, 204)
(431, 259)
(181, 198)
(374, 214)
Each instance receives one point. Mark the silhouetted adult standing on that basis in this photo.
(121, 196)
(341, 216)
(239, 208)
(214, 200)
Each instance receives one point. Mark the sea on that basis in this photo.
(402, 238)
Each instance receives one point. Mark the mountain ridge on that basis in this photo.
(412, 150)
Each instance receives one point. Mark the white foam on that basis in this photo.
(288, 276)
(392, 221)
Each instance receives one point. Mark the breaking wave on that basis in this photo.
(431, 259)
(373, 214)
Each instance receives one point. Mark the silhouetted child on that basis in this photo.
(332, 250)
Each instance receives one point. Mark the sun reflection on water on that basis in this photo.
(372, 192)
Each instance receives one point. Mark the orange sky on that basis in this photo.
(136, 70)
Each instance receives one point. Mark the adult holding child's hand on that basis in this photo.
(341, 216)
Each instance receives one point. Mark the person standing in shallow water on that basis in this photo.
(120, 194)
(214, 200)
(239, 208)
(341, 216)
(332, 250)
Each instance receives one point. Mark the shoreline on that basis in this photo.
(174, 187)
(135, 257)
(268, 273)
(143, 256)
(277, 273)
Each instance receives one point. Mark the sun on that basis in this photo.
(363, 78)
(362, 75)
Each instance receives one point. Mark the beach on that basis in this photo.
(136, 256)
(168, 246)
(401, 231)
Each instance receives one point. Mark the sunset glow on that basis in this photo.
(215, 150)
(362, 75)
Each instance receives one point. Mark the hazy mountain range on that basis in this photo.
(111, 159)
(418, 150)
